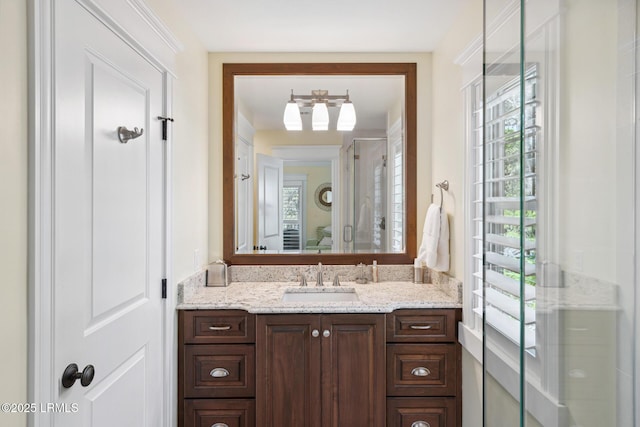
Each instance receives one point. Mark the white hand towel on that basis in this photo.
(428, 252)
(443, 244)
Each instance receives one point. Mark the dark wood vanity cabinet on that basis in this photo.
(237, 369)
(423, 368)
(320, 370)
(216, 368)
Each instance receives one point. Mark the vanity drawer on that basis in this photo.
(218, 326)
(219, 371)
(429, 412)
(421, 370)
(219, 413)
(422, 326)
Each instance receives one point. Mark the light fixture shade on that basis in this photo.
(320, 119)
(292, 119)
(347, 117)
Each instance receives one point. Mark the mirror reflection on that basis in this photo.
(319, 191)
(319, 161)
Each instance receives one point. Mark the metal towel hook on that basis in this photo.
(444, 185)
(124, 134)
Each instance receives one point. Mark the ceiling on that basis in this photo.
(320, 26)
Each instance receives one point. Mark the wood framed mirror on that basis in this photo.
(249, 248)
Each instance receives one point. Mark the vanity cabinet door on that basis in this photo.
(320, 370)
(288, 370)
(353, 364)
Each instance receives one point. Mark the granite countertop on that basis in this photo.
(266, 297)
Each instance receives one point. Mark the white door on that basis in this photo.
(108, 226)
(244, 196)
(270, 183)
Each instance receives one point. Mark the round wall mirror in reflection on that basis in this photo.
(323, 196)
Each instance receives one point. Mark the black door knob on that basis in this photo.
(71, 374)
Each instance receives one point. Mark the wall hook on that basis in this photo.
(124, 134)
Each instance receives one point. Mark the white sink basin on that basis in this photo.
(320, 295)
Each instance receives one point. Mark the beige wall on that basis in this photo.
(190, 145)
(423, 61)
(316, 217)
(449, 160)
(13, 212)
(449, 124)
(189, 181)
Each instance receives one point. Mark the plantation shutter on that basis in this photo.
(504, 211)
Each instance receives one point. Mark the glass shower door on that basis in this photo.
(369, 189)
(558, 221)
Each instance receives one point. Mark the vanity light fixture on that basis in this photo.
(292, 119)
(320, 117)
(319, 101)
(347, 116)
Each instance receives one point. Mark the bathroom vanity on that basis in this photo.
(248, 358)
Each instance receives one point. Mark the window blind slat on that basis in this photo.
(509, 242)
(508, 326)
(508, 284)
(507, 304)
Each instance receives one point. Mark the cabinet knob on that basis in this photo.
(315, 333)
(219, 425)
(420, 372)
(421, 424)
(219, 373)
(326, 333)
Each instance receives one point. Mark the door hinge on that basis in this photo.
(164, 288)
(164, 126)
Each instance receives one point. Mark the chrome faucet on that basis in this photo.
(319, 275)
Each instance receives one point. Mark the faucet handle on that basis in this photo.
(303, 280)
(336, 280)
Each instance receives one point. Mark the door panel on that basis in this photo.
(119, 178)
(270, 183)
(288, 369)
(353, 370)
(108, 224)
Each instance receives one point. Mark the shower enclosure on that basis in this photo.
(369, 218)
(557, 211)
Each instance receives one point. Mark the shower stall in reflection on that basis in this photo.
(374, 195)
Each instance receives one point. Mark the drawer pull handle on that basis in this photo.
(220, 425)
(421, 327)
(219, 373)
(420, 372)
(416, 424)
(219, 328)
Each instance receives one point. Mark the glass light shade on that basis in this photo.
(292, 119)
(320, 119)
(347, 117)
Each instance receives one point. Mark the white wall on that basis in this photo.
(13, 208)
(424, 87)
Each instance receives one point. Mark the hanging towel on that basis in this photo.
(443, 244)
(434, 251)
